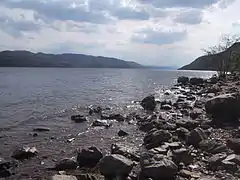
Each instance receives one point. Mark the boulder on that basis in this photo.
(24, 152)
(89, 157)
(115, 165)
(196, 113)
(196, 81)
(5, 168)
(78, 118)
(101, 123)
(66, 164)
(187, 123)
(216, 160)
(117, 117)
(182, 155)
(149, 103)
(63, 177)
(196, 136)
(155, 138)
(182, 132)
(183, 80)
(212, 146)
(128, 150)
(89, 177)
(233, 158)
(158, 168)
(122, 133)
(224, 108)
(166, 107)
(234, 144)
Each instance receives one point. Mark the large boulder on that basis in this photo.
(115, 165)
(6, 167)
(128, 150)
(182, 155)
(196, 136)
(66, 164)
(89, 157)
(24, 152)
(149, 103)
(183, 80)
(159, 167)
(155, 138)
(212, 146)
(224, 108)
(234, 144)
(196, 81)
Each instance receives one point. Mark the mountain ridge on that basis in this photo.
(23, 58)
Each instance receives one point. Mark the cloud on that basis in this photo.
(149, 36)
(17, 27)
(179, 3)
(189, 16)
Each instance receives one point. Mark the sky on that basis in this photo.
(150, 32)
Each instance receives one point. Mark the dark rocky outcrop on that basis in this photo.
(196, 136)
(183, 80)
(66, 164)
(149, 103)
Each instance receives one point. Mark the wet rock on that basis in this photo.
(224, 108)
(159, 150)
(149, 103)
(196, 81)
(89, 157)
(157, 168)
(234, 144)
(5, 168)
(128, 150)
(101, 123)
(173, 145)
(41, 129)
(212, 146)
(196, 113)
(66, 164)
(182, 132)
(182, 155)
(189, 174)
(78, 118)
(117, 117)
(166, 107)
(63, 177)
(216, 161)
(115, 165)
(183, 80)
(196, 136)
(155, 138)
(96, 110)
(122, 133)
(187, 123)
(24, 152)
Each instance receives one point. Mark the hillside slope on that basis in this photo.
(29, 59)
(211, 62)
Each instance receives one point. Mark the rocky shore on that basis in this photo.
(193, 133)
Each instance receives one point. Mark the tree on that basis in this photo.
(229, 63)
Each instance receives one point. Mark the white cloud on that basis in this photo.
(150, 32)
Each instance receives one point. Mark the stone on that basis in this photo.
(159, 150)
(115, 165)
(234, 144)
(122, 133)
(196, 113)
(189, 174)
(117, 117)
(158, 169)
(182, 155)
(63, 177)
(125, 149)
(41, 129)
(5, 167)
(183, 80)
(173, 145)
(89, 177)
(101, 123)
(66, 164)
(166, 107)
(182, 132)
(78, 118)
(187, 123)
(212, 146)
(89, 157)
(155, 138)
(149, 103)
(196, 136)
(216, 160)
(233, 158)
(24, 152)
(224, 108)
(196, 81)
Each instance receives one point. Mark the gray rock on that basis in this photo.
(128, 150)
(196, 81)
(196, 113)
(196, 136)
(183, 80)
(182, 155)
(24, 152)
(187, 123)
(233, 158)
(41, 129)
(212, 146)
(166, 107)
(89, 157)
(234, 144)
(89, 177)
(78, 118)
(155, 138)
(5, 167)
(216, 161)
(115, 165)
(224, 108)
(63, 177)
(182, 132)
(101, 123)
(149, 103)
(66, 164)
(117, 117)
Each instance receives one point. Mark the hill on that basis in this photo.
(211, 62)
(29, 59)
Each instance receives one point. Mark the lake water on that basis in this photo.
(42, 93)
